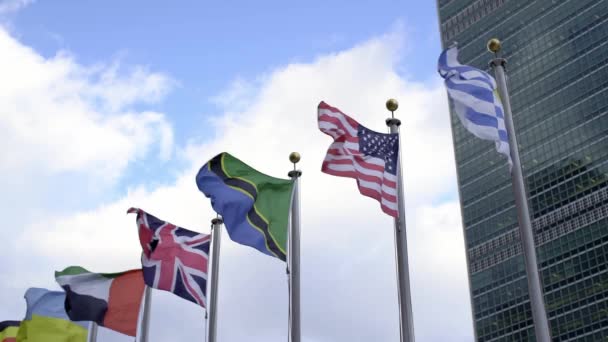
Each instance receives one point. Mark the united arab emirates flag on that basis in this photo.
(110, 299)
(254, 206)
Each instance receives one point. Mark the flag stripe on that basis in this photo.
(474, 87)
(51, 329)
(83, 307)
(488, 108)
(361, 173)
(124, 302)
(86, 284)
(373, 184)
(9, 330)
(344, 148)
(215, 165)
(369, 164)
(7, 324)
(340, 120)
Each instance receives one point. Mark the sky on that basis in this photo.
(111, 104)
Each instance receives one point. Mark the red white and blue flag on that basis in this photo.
(357, 152)
(173, 259)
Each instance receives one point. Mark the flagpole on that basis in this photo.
(294, 253)
(406, 320)
(539, 314)
(216, 239)
(145, 320)
(92, 332)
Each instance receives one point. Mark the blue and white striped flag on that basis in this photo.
(476, 100)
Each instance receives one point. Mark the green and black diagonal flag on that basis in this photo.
(254, 206)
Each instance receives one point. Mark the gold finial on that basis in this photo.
(494, 45)
(392, 105)
(294, 157)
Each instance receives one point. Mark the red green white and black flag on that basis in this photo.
(112, 300)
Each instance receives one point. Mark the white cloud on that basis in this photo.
(348, 279)
(10, 6)
(58, 116)
(139, 86)
(439, 273)
(64, 144)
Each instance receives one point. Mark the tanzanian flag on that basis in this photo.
(254, 206)
(8, 331)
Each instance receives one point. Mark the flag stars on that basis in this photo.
(379, 145)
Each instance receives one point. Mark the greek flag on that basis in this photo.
(476, 100)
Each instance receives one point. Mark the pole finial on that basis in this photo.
(392, 105)
(294, 157)
(494, 45)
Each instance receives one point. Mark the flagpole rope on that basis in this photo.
(206, 327)
(206, 310)
(288, 304)
(287, 273)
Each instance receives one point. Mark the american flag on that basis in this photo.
(357, 152)
(173, 259)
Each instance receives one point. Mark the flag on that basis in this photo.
(46, 319)
(173, 259)
(110, 300)
(475, 99)
(360, 153)
(255, 207)
(8, 331)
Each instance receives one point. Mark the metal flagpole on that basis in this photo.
(539, 314)
(406, 320)
(145, 320)
(294, 253)
(92, 332)
(216, 238)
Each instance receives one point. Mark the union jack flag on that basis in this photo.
(173, 259)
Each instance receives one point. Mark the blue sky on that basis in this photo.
(116, 104)
(205, 45)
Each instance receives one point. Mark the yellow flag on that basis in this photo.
(50, 329)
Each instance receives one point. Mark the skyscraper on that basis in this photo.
(557, 52)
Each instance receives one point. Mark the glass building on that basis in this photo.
(557, 53)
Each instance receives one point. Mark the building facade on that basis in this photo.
(557, 53)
